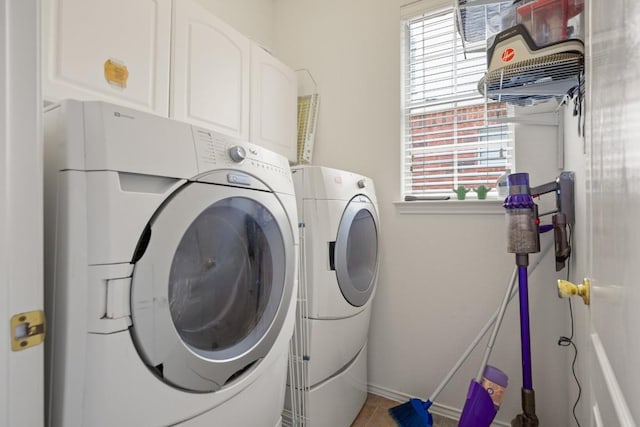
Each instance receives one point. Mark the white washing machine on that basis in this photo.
(339, 264)
(171, 265)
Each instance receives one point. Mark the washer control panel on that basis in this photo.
(218, 151)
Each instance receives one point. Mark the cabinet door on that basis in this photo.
(274, 98)
(116, 50)
(210, 71)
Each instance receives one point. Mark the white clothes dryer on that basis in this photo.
(171, 265)
(339, 248)
(340, 216)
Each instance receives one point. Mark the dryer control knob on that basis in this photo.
(237, 153)
(361, 183)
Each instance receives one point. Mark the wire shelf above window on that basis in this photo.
(533, 47)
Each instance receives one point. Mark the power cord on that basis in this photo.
(568, 341)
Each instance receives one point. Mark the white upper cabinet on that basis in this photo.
(210, 71)
(116, 50)
(176, 59)
(274, 97)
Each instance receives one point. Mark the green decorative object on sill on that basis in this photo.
(461, 192)
(482, 191)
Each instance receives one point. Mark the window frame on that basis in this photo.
(414, 11)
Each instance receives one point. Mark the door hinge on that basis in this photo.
(27, 330)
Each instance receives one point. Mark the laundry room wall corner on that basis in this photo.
(254, 18)
(440, 275)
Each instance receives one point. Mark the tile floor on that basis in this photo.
(375, 413)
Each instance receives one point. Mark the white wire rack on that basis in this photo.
(296, 414)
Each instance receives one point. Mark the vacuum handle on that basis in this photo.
(563, 249)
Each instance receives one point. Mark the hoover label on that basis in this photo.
(508, 54)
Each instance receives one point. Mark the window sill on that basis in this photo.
(450, 207)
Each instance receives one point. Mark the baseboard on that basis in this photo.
(437, 409)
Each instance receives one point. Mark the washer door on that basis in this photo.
(356, 251)
(210, 293)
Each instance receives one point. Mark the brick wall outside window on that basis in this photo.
(441, 128)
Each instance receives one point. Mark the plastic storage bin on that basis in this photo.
(547, 21)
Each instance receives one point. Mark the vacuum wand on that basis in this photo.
(523, 238)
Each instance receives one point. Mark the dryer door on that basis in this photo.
(211, 291)
(356, 251)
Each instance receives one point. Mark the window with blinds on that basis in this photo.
(452, 135)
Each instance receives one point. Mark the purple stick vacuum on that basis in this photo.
(523, 238)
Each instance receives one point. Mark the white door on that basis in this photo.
(209, 71)
(613, 187)
(21, 263)
(274, 97)
(116, 51)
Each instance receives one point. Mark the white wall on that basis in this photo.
(253, 18)
(351, 49)
(441, 275)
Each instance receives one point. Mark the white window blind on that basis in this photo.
(451, 133)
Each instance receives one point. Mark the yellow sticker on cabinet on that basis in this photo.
(116, 73)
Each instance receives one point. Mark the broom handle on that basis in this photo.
(484, 330)
(496, 327)
(471, 347)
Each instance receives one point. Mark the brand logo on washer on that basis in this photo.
(119, 114)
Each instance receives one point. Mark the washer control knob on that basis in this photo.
(361, 183)
(237, 153)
